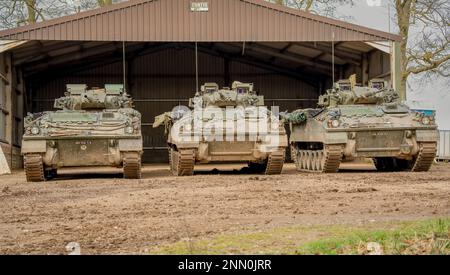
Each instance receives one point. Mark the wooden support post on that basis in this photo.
(6, 152)
(9, 99)
(396, 61)
(20, 110)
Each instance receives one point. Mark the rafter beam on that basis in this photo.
(283, 50)
(287, 56)
(107, 58)
(80, 54)
(112, 54)
(42, 52)
(312, 80)
(347, 57)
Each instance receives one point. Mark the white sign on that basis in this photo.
(199, 6)
(374, 3)
(4, 167)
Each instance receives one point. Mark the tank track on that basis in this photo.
(321, 161)
(425, 158)
(275, 163)
(34, 167)
(132, 166)
(170, 158)
(183, 162)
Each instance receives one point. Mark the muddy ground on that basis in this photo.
(109, 215)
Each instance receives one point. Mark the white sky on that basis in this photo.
(435, 92)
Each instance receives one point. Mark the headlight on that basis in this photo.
(34, 130)
(129, 130)
(335, 123)
(426, 120)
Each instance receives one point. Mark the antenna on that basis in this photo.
(124, 69)
(196, 53)
(196, 67)
(332, 55)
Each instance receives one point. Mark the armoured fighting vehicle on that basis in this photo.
(362, 122)
(95, 127)
(225, 125)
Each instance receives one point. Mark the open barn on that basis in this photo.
(164, 49)
(364, 179)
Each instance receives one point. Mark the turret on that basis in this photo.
(79, 97)
(345, 92)
(240, 94)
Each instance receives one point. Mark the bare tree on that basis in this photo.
(103, 3)
(15, 13)
(19, 12)
(424, 26)
(322, 7)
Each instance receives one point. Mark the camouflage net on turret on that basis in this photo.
(164, 119)
(297, 117)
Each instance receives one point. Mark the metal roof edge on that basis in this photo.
(323, 19)
(261, 3)
(72, 17)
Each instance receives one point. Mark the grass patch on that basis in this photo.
(415, 237)
(425, 237)
(276, 241)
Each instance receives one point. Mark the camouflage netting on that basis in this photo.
(297, 117)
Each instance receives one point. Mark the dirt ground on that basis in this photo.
(109, 215)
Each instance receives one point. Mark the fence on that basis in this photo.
(443, 153)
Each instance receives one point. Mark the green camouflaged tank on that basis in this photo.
(362, 122)
(225, 125)
(96, 127)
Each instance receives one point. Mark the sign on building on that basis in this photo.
(199, 6)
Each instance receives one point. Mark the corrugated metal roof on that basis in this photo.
(173, 20)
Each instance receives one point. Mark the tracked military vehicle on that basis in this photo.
(225, 125)
(96, 127)
(362, 122)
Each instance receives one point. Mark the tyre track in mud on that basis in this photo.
(109, 215)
